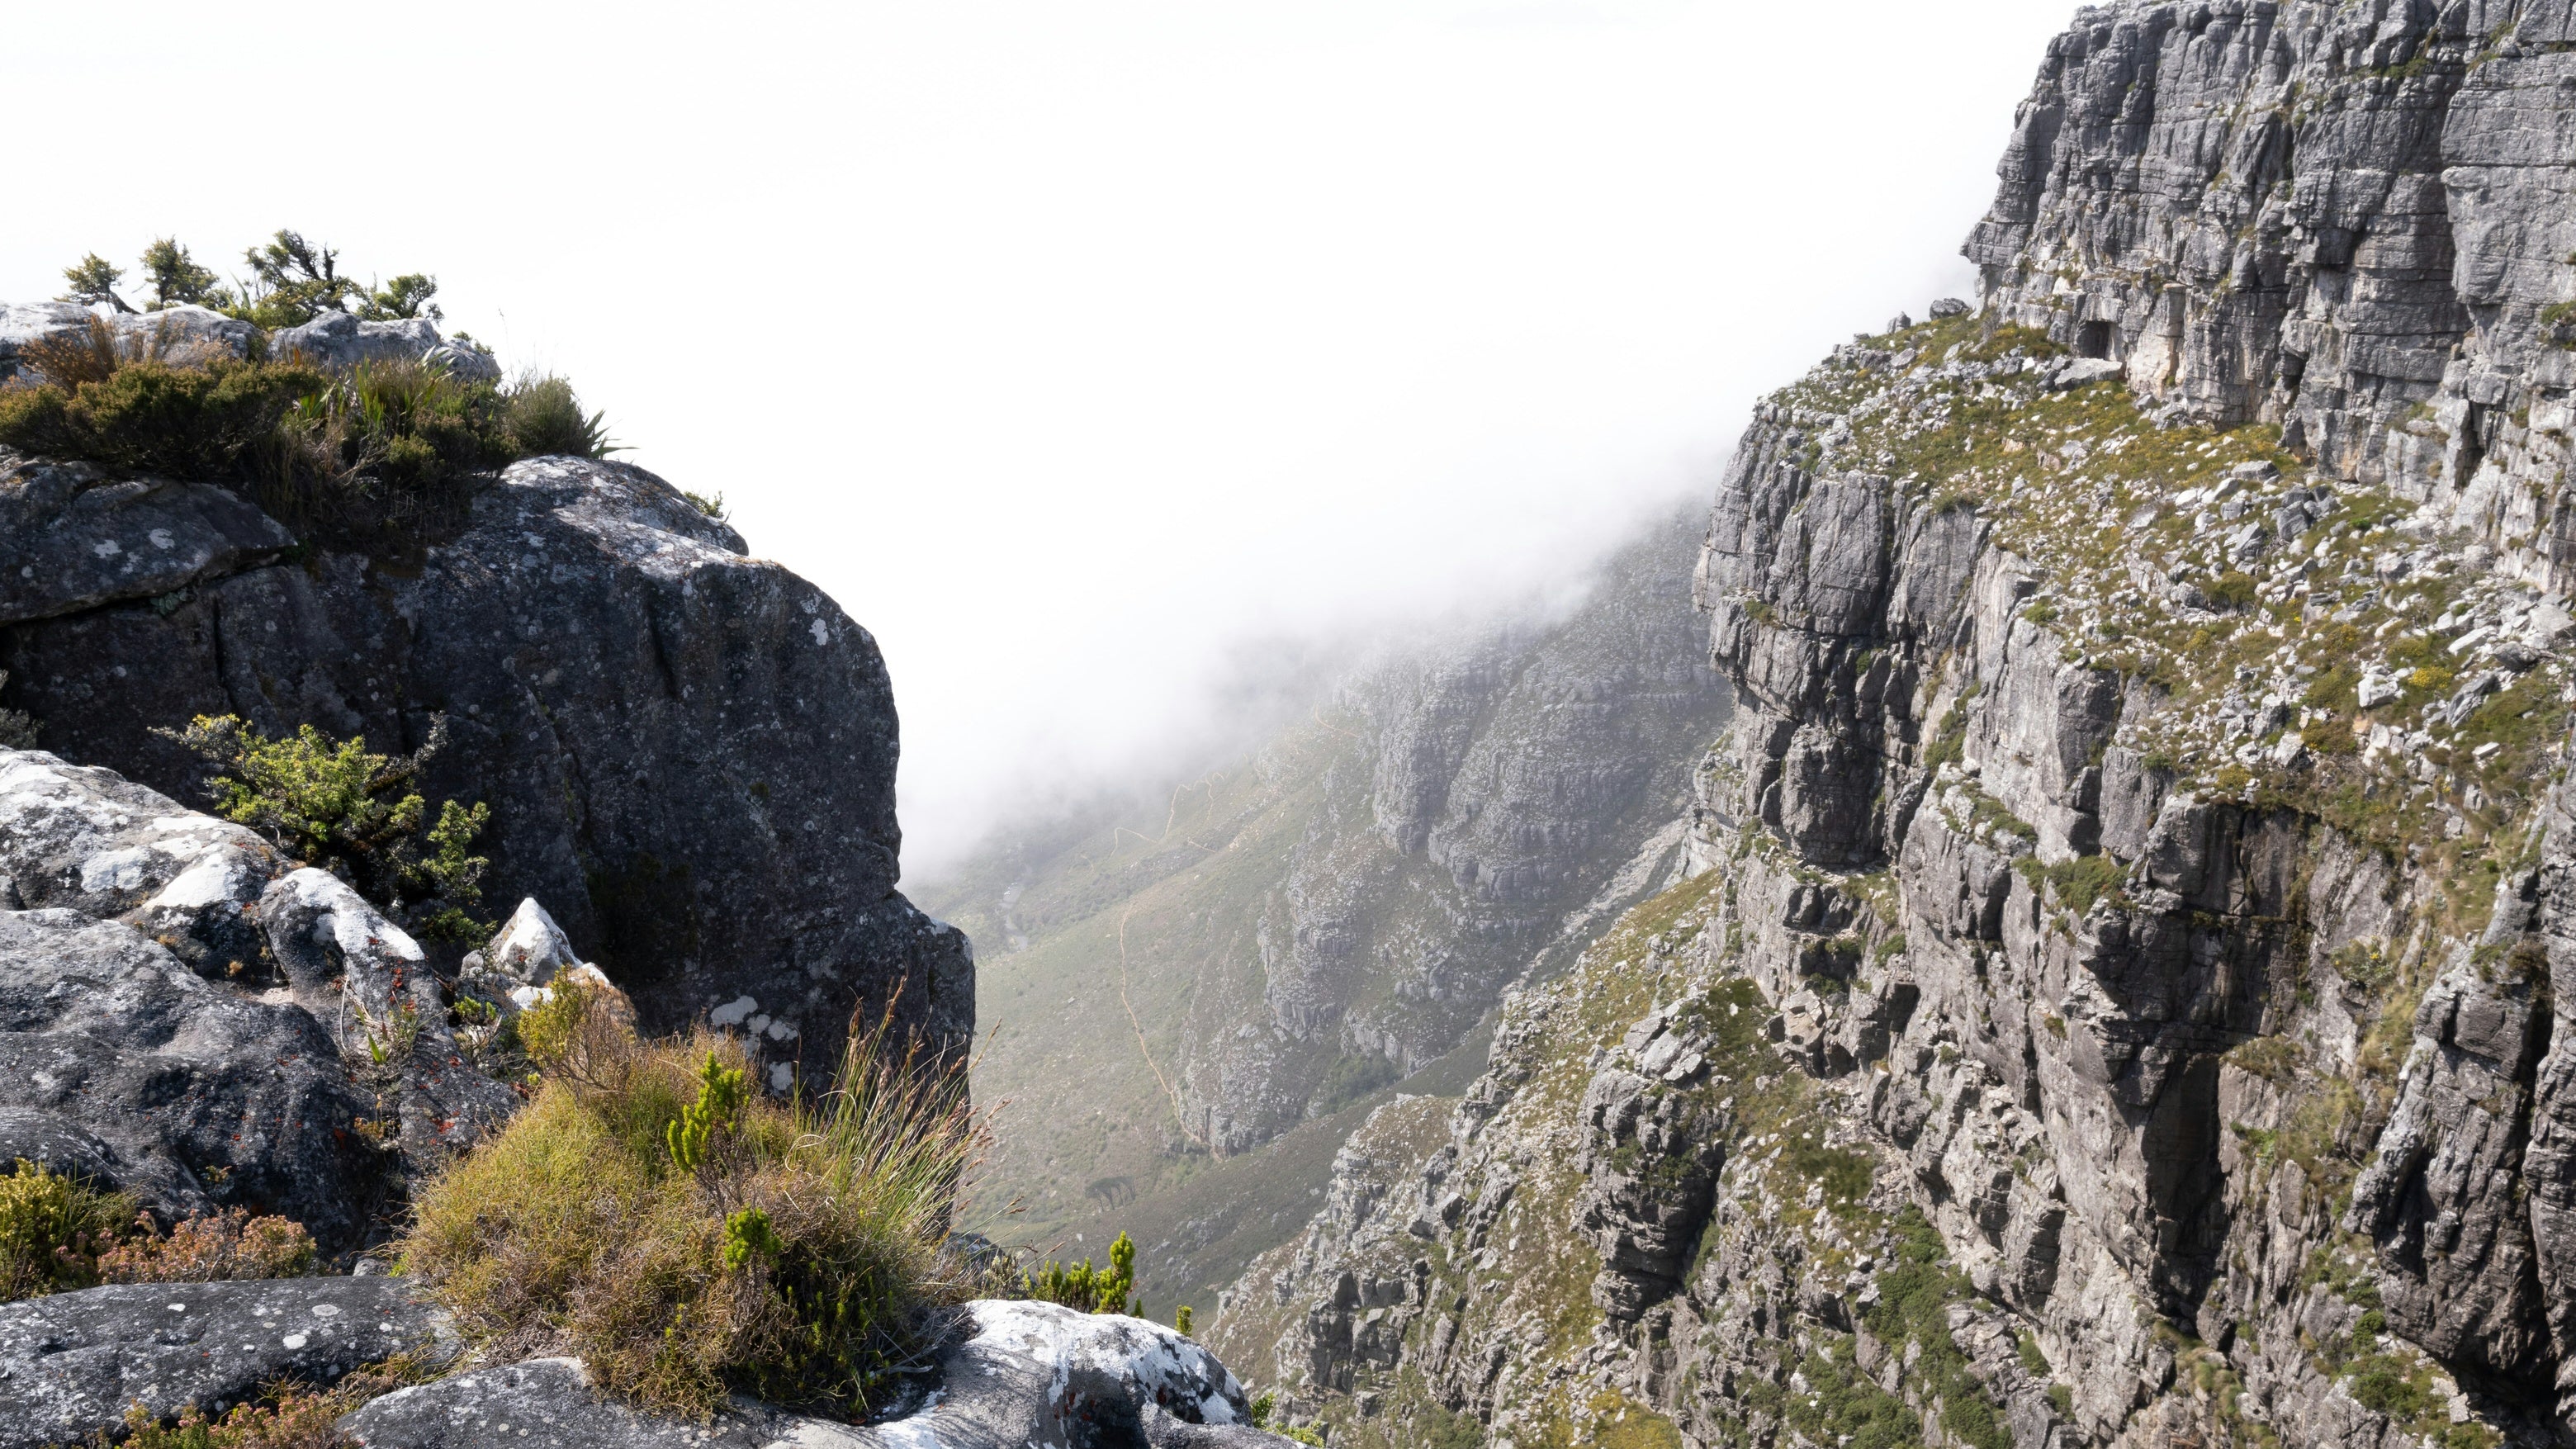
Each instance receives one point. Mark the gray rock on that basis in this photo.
(690, 753)
(184, 1092)
(529, 948)
(77, 542)
(370, 986)
(549, 1403)
(71, 1364)
(2077, 372)
(87, 839)
(184, 334)
(1946, 308)
(22, 323)
(1022, 1374)
(340, 340)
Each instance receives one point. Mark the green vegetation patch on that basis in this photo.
(383, 457)
(58, 1233)
(337, 805)
(689, 1237)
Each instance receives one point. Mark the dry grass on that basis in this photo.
(792, 1250)
(295, 1416)
(219, 1248)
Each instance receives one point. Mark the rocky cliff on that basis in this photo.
(1177, 986)
(689, 752)
(2120, 1007)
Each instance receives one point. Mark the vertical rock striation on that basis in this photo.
(2141, 841)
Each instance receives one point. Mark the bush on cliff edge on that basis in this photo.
(387, 453)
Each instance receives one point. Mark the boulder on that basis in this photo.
(689, 753)
(550, 1403)
(530, 947)
(72, 1363)
(25, 322)
(90, 840)
(188, 1094)
(199, 1025)
(339, 340)
(370, 986)
(1021, 1374)
(77, 541)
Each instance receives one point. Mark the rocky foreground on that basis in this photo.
(198, 1022)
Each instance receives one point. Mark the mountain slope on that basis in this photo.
(1181, 984)
(2125, 1008)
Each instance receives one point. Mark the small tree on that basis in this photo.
(334, 804)
(405, 296)
(291, 282)
(176, 278)
(94, 281)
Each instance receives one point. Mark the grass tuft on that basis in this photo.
(690, 1239)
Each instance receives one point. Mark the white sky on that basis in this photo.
(1073, 343)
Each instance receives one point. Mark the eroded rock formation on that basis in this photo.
(2139, 851)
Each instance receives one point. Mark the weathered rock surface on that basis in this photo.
(187, 1018)
(78, 542)
(177, 1085)
(339, 340)
(2122, 842)
(1021, 1374)
(690, 753)
(71, 1364)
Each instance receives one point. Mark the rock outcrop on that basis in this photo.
(689, 753)
(2121, 1005)
(71, 1365)
(1016, 1374)
(188, 1017)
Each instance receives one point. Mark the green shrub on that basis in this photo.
(335, 804)
(1079, 1285)
(795, 1256)
(1914, 1306)
(52, 1229)
(1350, 1078)
(543, 416)
(722, 1090)
(2231, 590)
(1265, 1415)
(1453, 1431)
(2086, 879)
(145, 415)
(385, 456)
(396, 449)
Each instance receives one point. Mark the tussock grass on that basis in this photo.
(689, 1237)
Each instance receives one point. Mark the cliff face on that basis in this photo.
(1293, 933)
(2351, 221)
(690, 753)
(2139, 846)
